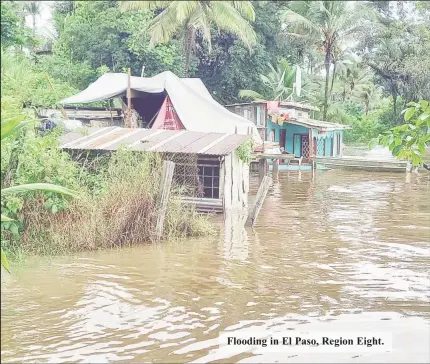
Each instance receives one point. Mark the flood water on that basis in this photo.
(349, 251)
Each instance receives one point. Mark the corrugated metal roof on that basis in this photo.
(294, 104)
(161, 141)
(318, 124)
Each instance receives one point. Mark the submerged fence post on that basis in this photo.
(261, 195)
(163, 199)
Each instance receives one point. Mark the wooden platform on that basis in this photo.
(257, 156)
(213, 205)
(358, 163)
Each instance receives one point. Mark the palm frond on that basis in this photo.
(164, 25)
(12, 125)
(296, 19)
(245, 8)
(184, 10)
(250, 94)
(200, 21)
(44, 187)
(143, 5)
(227, 18)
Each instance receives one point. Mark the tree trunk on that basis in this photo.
(327, 77)
(394, 93)
(190, 41)
(34, 24)
(333, 77)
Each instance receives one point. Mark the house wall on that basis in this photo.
(330, 137)
(253, 112)
(291, 129)
(235, 178)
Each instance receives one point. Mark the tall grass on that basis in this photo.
(120, 210)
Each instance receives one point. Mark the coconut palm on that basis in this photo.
(192, 17)
(278, 83)
(33, 8)
(9, 128)
(326, 25)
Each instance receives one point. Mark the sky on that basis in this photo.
(44, 21)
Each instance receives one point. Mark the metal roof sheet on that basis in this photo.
(318, 124)
(160, 141)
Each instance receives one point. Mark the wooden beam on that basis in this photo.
(164, 194)
(261, 195)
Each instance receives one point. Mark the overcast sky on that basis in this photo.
(44, 21)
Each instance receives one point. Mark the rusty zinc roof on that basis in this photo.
(150, 140)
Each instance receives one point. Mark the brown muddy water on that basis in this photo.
(349, 251)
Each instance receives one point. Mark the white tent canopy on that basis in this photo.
(192, 101)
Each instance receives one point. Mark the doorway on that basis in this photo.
(282, 138)
(301, 147)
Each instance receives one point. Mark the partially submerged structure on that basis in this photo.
(208, 165)
(291, 125)
(166, 101)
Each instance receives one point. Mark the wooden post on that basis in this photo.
(129, 90)
(261, 195)
(262, 169)
(127, 114)
(275, 171)
(314, 169)
(165, 186)
(110, 111)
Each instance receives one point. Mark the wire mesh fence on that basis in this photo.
(197, 177)
(320, 147)
(186, 174)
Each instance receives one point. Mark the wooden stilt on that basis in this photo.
(314, 167)
(163, 199)
(262, 169)
(275, 171)
(261, 195)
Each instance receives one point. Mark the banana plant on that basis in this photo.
(9, 128)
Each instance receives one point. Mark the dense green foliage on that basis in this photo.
(361, 62)
(11, 127)
(408, 141)
(187, 18)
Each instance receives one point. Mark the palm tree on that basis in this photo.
(326, 25)
(278, 83)
(33, 8)
(9, 128)
(192, 17)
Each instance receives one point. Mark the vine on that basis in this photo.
(244, 151)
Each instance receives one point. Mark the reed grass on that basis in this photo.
(121, 211)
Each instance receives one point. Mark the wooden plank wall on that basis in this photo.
(236, 180)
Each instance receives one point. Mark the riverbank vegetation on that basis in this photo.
(361, 63)
(117, 202)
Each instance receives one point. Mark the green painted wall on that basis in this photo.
(292, 129)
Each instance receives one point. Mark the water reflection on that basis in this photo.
(347, 250)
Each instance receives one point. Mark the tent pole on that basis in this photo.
(128, 90)
(127, 116)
